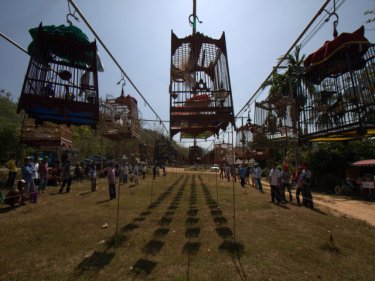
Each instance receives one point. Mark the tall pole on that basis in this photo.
(194, 16)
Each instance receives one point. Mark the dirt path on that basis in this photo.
(362, 210)
(354, 208)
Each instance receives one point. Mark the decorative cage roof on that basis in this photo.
(200, 92)
(61, 83)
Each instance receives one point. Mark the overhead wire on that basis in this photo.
(114, 60)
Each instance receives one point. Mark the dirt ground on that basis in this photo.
(359, 209)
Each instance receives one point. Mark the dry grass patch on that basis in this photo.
(179, 227)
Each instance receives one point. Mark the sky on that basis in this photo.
(138, 34)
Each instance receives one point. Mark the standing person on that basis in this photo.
(126, 172)
(154, 171)
(285, 183)
(36, 172)
(252, 176)
(92, 175)
(43, 174)
(66, 176)
(12, 170)
(78, 173)
(143, 170)
(275, 182)
(258, 176)
(306, 181)
(247, 178)
(242, 173)
(111, 181)
(27, 175)
(164, 171)
(298, 181)
(227, 172)
(221, 171)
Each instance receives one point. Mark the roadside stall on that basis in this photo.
(366, 177)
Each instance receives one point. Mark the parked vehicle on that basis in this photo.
(214, 168)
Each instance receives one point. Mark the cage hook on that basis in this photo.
(336, 22)
(73, 16)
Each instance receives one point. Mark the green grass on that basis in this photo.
(171, 229)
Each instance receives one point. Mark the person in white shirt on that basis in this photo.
(275, 182)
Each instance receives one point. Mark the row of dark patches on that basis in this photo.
(144, 265)
(225, 232)
(192, 232)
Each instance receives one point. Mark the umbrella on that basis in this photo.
(361, 163)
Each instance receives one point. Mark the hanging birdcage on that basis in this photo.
(46, 135)
(200, 91)
(121, 118)
(61, 83)
(275, 119)
(336, 98)
(195, 154)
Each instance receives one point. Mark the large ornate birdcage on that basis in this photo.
(200, 90)
(46, 135)
(336, 98)
(276, 118)
(61, 83)
(195, 154)
(121, 118)
(223, 153)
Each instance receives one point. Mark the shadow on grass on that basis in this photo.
(224, 232)
(84, 193)
(153, 247)
(103, 201)
(139, 219)
(317, 210)
(143, 266)
(216, 213)
(330, 247)
(191, 221)
(233, 248)
(191, 248)
(220, 220)
(165, 221)
(192, 232)
(145, 214)
(192, 212)
(8, 209)
(93, 264)
(129, 227)
(168, 213)
(161, 232)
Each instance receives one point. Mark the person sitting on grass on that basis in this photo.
(14, 196)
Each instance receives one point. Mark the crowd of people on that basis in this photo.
(280, 179)
(36, 174)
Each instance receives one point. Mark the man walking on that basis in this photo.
(275, 181)
(258, 175)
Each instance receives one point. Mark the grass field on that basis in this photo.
(179, 227)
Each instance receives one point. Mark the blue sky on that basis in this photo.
(137, 32)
